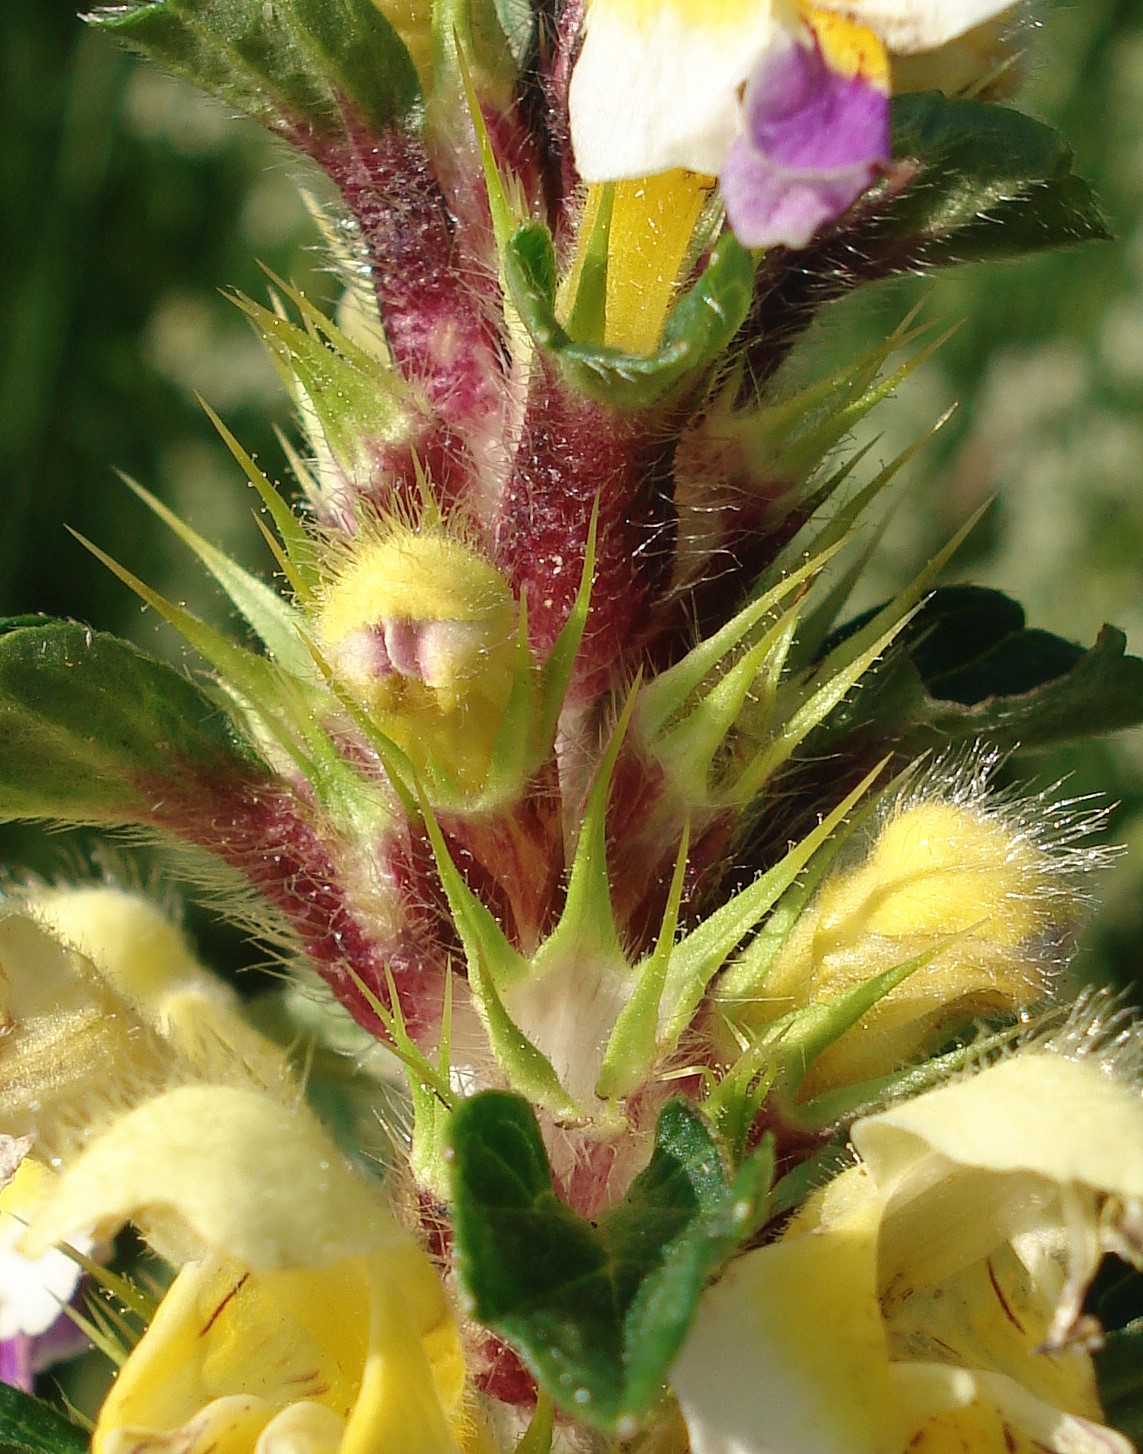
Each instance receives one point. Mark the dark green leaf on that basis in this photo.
(90, 726)
(701, 325)
(29, 1426)
(597, 1311)
(296, 64)
(968, 668)
(1119, 1368)
(989, 182)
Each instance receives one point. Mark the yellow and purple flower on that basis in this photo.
(787, 104)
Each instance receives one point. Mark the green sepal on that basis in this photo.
(295, 553)
(296, 64)
(537, 1437)
(633, 1046)
(745, 976)
(843, 1104)
(699, 328)
(667, 693)
(30, 1426)
(276, 705)
(968, 669)
(358, 402)
(698, 957)
(494, 965)
(469, 34)
(991, 183)
(89, 725)
(597, 1311)
(587, 922)
(275, 622)
(797, 1041)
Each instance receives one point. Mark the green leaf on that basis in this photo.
(989, 183)
(89, 725)
(968, 668)
(1119, 1368)
(297, 64)
(699, 328)
(597, 1311)
(30, 1426)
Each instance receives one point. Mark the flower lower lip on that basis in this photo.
(815, 139)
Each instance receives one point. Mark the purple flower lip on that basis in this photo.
(815, 139)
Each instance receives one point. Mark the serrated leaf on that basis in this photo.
(968, 668)
(30, 1426)
(89, 725)
(972, 181)
(597, 1311)
(701, 325)
(299, 65)
(991, 183)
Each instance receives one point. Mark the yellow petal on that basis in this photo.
(73, 1054)
(652, 224)
(146, 959)
(358, 1356)
(989, 1413)
(225, 1169)
(764, 1369)
(1038, 1112)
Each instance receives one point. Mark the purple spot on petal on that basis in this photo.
(814, 141)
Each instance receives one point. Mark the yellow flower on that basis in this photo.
(304, 1319)
(928, 1298)
(658, 82)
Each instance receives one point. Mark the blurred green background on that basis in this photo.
(130, 205)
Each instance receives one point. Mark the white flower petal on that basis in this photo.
(907, 26)
(656, 85)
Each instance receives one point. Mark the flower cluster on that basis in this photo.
(670, 1048)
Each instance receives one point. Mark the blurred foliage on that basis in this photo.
(130, 205)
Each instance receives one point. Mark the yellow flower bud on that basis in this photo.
(421, 630)
(144, 957)
(954, 880)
